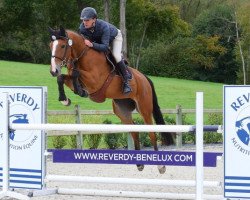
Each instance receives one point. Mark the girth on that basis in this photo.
(99, 95)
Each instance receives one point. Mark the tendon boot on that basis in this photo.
(78, 89)
(123, 69)
(77, 86)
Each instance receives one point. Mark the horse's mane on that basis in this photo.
(73, 33)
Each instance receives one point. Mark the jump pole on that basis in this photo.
(199, 146)
(129, 181)
(132, 194)
(103, 128)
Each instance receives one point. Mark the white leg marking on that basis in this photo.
(66, 102)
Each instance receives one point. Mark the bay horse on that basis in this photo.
(93, 73)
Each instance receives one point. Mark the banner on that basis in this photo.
(176, 158)
(236, 141)
(27, 105)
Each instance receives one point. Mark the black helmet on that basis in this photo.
(88, 13)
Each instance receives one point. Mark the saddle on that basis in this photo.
(113, 64)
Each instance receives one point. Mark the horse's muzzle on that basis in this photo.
(54, 73)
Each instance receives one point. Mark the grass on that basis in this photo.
(170, 91)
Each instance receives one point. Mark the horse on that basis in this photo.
(97, 76)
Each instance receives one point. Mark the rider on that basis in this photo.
(101, 35)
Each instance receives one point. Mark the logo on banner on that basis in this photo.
(241, 138)
(18, 118)
(23, 110)
(242, 129)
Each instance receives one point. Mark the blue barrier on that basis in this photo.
(208, 128)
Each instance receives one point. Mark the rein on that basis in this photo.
(81, 54)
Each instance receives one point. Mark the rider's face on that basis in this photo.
(89, 23)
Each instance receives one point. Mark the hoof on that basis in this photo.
(67, 102)
(140, 167)
(162, 169)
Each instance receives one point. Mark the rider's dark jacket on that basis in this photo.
(101, 35)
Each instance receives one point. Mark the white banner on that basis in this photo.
(27, 106)
(236, 141)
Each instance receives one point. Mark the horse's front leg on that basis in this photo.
(62, 97)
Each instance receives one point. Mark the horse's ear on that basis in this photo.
(52, 34)
(62, 32)
(51, 31)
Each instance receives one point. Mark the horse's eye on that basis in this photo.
(63, 46)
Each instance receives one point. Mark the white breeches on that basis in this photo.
(117, 47)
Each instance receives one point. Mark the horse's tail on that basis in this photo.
(166, 138)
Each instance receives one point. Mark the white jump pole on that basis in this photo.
(129, 181)
(5, 154)
(134, 194)
(103, 128)
(199, 146)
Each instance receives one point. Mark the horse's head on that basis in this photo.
(60, 47)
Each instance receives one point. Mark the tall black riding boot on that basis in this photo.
(123, 70)
(128, 71)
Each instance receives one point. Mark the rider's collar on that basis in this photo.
(92, 29)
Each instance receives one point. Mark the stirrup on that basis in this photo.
(129, 74)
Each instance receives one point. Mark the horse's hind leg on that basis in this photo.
(145, 109)
(123, 109)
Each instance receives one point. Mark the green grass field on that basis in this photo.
(170, 91)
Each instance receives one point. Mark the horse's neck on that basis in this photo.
(94, 70)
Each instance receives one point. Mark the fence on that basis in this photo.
(78, 113)
(109, 129)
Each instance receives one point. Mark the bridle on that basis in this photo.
(64, 59)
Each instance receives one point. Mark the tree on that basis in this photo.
(217, 22)
(24, 24)
(191, 9)
(123, 26)
(147, 22)
(106, 10)
(242, 24)
(182, 57)
(240, 48)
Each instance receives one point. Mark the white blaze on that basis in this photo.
(53, 59)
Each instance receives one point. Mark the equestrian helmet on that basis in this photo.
(88, 13)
